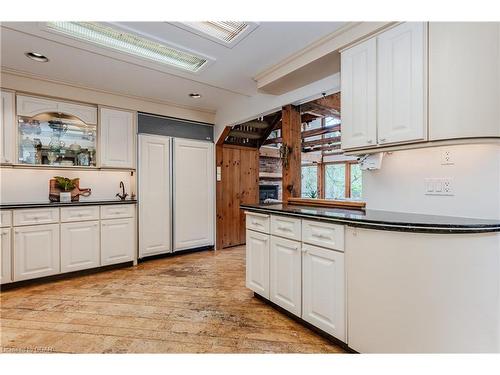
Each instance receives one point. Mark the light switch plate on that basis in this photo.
(447, 158)
(439, 186)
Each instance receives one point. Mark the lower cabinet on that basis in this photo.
(5, 258)
(36, 251)
(117, 241)
(80, 246)
(285, 274)
(257, 262)
(323, 290)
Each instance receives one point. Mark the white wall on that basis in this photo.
(399, 185)
(247, 108)
(32, 185)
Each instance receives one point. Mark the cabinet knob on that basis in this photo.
(383, 139)
(369, 141)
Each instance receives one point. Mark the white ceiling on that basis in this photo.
(230, 75)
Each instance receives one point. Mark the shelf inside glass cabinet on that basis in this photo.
(56, 139)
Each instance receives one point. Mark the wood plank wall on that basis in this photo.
(239, 184)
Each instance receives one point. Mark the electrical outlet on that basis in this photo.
(447, 158)
(439, 186)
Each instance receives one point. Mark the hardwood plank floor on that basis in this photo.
(191, 303)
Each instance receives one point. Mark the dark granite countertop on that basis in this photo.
(382, 220)
(10, 206)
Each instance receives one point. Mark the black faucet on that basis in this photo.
(123, 195)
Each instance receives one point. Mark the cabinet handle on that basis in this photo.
(383, 139)
(304, 250)
(369, 141)
(255, 223)
(280, 227)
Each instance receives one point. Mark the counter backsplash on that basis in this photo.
(30, 185)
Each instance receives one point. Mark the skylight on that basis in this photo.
(129, 43)
(227, 32)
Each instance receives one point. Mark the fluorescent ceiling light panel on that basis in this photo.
(132, 44)
(227, 32)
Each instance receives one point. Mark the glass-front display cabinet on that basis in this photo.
(56, 139)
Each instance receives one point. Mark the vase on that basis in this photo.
(65, 197)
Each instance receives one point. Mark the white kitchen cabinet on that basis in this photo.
(359, 89)
(5, 256)
(257, 262)
(36, 251)
(154, 195)
(117, 241)
(464, 80)
(323, 294)
(286, 274)
(7, 128)
(193, 194)
(116, 138)
(31, 106)
(401, 83)
(80, 248)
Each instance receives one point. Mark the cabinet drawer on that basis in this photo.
(287, 227)
(5, 218)
(323, 234)
(81, 213)
(258, 222)
(118, 211)
(36, 216)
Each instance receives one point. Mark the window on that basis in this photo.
(309, 181)
(343, 180)
(335, 181)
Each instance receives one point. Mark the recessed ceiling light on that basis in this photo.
(227, 33)
(133, 44)
(195, 95)
(36, 56)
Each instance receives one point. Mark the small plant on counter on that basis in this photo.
(66, 184)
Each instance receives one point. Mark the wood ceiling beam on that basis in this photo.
(318, 142)
(307, 134)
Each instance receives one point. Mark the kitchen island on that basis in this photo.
(381, 282)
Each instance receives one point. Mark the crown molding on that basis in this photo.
(24, 74)
(346, 35)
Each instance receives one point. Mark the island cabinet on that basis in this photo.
(45, 241)
(298, 264)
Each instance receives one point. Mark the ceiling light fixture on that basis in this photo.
(36, 56)
(227, 33)
(195, 95)
(132, 44)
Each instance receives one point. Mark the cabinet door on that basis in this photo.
(154, 195)
(5, 256)
(87, 114)
(7, 126)
(117, 241)
(285, 274)
(464, 80)
(257, 262)
(323, 290)
(401, 94)
(193, 194)
(79, 246)
(358, 82)
(117, 134)
(36, 251)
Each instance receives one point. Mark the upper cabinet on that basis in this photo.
(117, 138)
(31, 106)
(384, 88)
(359, 102)
(464, 80)
(401, 84)
(7, 126)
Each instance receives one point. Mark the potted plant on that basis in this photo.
(66, 185)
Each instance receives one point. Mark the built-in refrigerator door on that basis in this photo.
(155, 198)
(193, 181)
